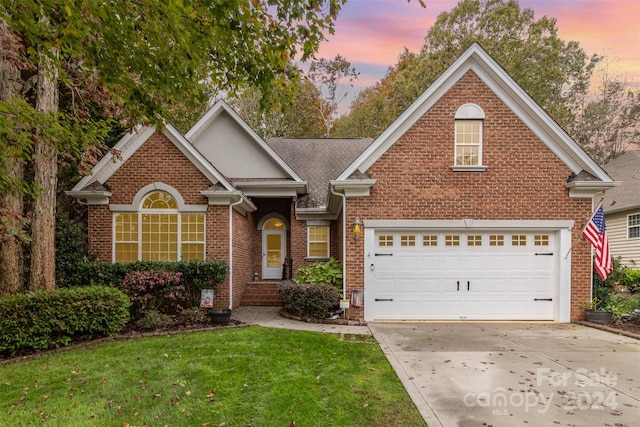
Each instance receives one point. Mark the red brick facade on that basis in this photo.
(524, 180)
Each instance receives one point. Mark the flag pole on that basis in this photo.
(585, 226)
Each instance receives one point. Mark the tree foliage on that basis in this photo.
(82, 63)
(334, 79)
(554, 72)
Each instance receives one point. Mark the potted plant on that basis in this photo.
(596, 312)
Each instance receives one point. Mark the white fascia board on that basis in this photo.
(588, 189)
(309, 214)
(622, 209)
(272, 188)
(225, 198)
(499, 81)
(109, 164)
(91, 197)
(215, 111)
(534, 116)
(353, 187)
(476, 224)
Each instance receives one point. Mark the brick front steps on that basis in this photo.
(261, 293)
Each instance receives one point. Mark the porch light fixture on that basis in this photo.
(356, 228)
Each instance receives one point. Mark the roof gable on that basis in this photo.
(130, 143)
(514, 97)
(227, 142)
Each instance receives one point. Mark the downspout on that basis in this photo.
(344, 241)
(231, 250)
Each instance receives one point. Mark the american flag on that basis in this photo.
(596, 233)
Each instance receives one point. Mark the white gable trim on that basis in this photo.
(215, 111)
(498, 80)
(131, 142)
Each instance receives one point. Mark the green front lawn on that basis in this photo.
(250, 376)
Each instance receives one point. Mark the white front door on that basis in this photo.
(274, 251)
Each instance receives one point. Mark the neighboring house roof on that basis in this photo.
(625, 168)
(502, 84)
(318, 160)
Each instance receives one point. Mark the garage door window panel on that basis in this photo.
(385, 240)
(430, 240)
(407, 240)
(496, 240)
(451, 240)
(519, 240)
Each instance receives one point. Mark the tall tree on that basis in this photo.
(11, 228)
(297, 117)
(143, 61)
(554, 72)
(334, 78)
(608, 123)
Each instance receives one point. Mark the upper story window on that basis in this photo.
(468, 138)
(157, 228)
(633, 226)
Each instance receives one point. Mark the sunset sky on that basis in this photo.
(372, 33)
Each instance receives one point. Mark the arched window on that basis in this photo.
(468, 135)
(158, 231)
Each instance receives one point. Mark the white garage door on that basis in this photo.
(474, 275)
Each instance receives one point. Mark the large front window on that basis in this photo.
(158, 232)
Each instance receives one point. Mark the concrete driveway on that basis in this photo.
(515, 374)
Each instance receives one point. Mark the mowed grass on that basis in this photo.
(249, 376)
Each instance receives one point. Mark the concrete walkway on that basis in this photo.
(270, 317)
(501, 374)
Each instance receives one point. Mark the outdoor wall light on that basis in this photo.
(357, 228)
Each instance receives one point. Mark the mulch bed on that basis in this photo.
(629, 328)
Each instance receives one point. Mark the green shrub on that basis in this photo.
(153, 319)
(328, 272)
(603, 290)
(308, 300)
(631, 280)
(156, 290)
(201, 273)
(49, 319)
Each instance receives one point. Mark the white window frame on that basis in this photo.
(136, 208)
(630, 227)
(326, 224)
(469, 113)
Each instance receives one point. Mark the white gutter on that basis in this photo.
(344, 240)
(231, 250)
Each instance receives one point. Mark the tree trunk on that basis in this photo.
(42, 274)
(11, 203)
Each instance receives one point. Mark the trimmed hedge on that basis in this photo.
(203, 274)
(50, 319)
(307, 300)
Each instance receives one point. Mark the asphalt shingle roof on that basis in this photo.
(625, 168)
(317, 161)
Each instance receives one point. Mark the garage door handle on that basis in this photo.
(545, 253)
(543, 299)
(468, 284)
(377, 254)
(384, 299)
(458, 286)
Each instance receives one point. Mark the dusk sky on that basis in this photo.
(372, 33)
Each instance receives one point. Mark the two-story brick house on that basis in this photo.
(469, 206)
